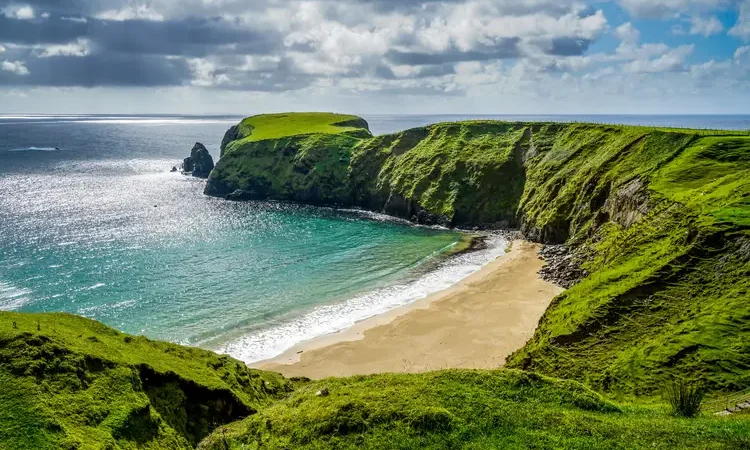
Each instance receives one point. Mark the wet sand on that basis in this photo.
(476, 323)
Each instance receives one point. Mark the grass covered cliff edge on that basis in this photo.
(660, 219)
(67, 382)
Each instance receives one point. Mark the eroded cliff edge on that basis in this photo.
(659, 217)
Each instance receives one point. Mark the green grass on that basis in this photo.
(70, 382)
(669, 265)
(276, 126)
(503, 409)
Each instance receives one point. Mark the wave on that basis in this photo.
(35, 149)
(12, 297)
(322, 320)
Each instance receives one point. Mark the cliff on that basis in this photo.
(72, 383)
(659, 219)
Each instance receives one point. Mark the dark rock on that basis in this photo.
(240, 195)
(199, 163)
(174, 169)
(231, 135)
(563, 265)
(323, 392)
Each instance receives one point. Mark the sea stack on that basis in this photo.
(199, 163)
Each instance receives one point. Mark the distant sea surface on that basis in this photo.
(93, 223)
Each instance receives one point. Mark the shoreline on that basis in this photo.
(475, 323)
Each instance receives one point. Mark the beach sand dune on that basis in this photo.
(475, 324)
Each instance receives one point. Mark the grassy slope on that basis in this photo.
(75, 383)
(667, 295)
(468, 409)
(275, 126)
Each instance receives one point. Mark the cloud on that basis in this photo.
(78, 48)
(133, 12)
(627, 33)
(706, 26)
(672, 61)
(742, 28)
(101, 70)
(20, 12)
(14, 67)
(324, 48)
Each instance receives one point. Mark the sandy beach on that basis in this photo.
(476, 323)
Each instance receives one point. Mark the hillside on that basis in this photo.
(503, 409)
(72, 383)
(658, 218)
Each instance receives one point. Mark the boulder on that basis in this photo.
(199, 163)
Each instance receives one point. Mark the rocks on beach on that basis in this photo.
(563, 266)
(199, 163)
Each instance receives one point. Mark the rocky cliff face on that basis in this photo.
(199, 163)
(653, 220)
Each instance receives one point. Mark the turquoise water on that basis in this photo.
(101, 228)
(146, 252)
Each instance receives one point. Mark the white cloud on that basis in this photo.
(77, 48)
(627, 33)
(706, 26)
(16, 67)
(258, 63)
(672, 61)
(205, 73)
(742, 28)
(20, 12)
(74, 19)
(138, 12)
(2, 49)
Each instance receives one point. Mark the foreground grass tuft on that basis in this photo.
(685, 398)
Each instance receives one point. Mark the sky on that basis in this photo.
(375, 56)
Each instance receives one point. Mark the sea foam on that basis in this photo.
(12, 297)
(322, 320)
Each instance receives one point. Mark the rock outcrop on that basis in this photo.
(199, 163)
(232, 134)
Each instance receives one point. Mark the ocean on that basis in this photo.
(93, 223)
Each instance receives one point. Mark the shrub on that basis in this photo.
(685, 398)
